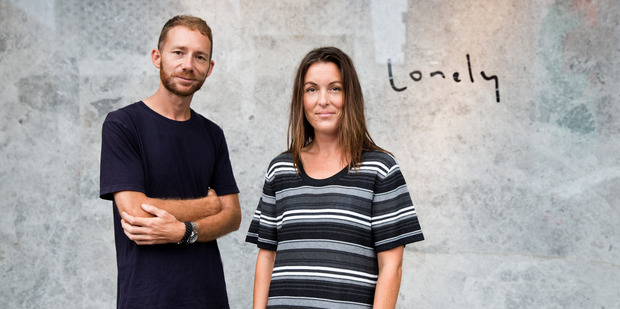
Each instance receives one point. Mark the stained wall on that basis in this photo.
(515, 182)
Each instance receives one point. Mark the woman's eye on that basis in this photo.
(310, 90)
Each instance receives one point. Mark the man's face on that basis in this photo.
(184, 61)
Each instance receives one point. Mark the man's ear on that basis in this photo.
(156, 58)
(210, 67)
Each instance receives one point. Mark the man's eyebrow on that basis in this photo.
(178, 47)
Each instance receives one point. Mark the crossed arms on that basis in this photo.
(149, 221)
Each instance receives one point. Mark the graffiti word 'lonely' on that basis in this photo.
(417, 76)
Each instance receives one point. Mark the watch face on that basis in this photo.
(194, 235)
(193, 238)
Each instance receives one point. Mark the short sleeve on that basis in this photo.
(394, 219)
(224, 180)
(121, 165)
(263, 229)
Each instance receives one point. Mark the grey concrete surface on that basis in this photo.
(518, 200)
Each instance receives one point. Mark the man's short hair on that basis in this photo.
(191, 22)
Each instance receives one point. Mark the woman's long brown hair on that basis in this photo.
(354, 136)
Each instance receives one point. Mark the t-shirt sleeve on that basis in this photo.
(263, 228)
(394, 219)
(121, 165)
(223, 181)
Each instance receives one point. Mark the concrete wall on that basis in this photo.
(518, 198)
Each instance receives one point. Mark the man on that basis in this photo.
(158, 160)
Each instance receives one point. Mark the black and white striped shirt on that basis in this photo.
(327, 232)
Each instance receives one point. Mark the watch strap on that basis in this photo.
(188, 232)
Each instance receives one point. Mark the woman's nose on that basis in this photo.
(323, 98)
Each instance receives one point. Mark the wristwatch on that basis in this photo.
(188, 232)
(194, 233)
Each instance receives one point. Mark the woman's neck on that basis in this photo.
(323, 158)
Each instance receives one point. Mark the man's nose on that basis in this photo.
(188, 63)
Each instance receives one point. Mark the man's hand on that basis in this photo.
(213, 204)
(163, 228)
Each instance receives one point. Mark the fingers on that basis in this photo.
(160, 216)
(128, 218)
(211, 193)
(163, 228)
(128, 229)
(154, 210)
(212, 204)
(134, 221)
(135, 228)
(133, 232)
(141, 235)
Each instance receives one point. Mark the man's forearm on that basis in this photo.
(191, 210)
(222, 223)
(182, 210)
(158, 226)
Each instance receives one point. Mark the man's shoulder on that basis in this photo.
(206, 121)
(124, 113)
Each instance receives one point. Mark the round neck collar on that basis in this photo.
(158, 115)
(322, 181)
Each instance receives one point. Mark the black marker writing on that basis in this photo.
(494, 77)
(392, 78)
(416, 76)
(438, 73)
(471, 77)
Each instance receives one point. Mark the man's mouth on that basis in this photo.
(185, 79)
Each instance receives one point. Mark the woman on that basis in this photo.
(335, 213)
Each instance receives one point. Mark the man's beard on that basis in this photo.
(168, 82)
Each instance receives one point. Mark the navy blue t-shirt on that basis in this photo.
(146, 152)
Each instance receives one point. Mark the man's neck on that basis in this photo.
(170, 105)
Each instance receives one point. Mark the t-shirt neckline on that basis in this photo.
(328, 180)
(163, 118)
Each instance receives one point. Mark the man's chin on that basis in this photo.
(183, 92)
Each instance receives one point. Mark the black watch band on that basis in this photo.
(188, 232)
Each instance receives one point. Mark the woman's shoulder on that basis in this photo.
(380, 163)
(282, 163)
(283, 157)
(379, 157)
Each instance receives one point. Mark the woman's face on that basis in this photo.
(323, 97)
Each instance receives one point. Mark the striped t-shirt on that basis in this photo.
(327, 232)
